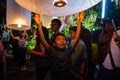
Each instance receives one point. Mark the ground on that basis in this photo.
(13, 73)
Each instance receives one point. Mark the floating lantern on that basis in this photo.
(18, 18)
(46, 7)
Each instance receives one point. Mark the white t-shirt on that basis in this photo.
(115, 54)
(22, 42)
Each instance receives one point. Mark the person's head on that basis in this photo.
(23, 34)
(59, 40)
(72, 32)
(55, 24)
(109, 25)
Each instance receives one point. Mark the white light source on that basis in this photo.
(59, 3)
(103, 8)
(19, 23)
(18, 18)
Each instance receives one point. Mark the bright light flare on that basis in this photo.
(103, 8)
(59, 3)
(19, 22)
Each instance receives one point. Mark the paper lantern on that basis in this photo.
(17, 18)
(46, 7)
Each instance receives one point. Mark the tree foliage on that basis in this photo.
(90, 20)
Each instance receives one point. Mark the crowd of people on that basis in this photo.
(64, 59)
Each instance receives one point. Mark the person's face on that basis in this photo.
(72, 34)
(60, 41)
(54, 26)
(23, 34)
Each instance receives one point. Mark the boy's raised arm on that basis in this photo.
(77, 36)
(39, 24)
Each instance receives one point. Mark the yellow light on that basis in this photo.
(59, 3)
(19, 24)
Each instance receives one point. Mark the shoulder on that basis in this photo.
(81, 43)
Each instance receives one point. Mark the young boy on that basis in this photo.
(57, 52)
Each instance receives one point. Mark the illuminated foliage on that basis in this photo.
(90, 20)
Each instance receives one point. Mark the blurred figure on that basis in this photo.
(22, 50)
(40, 57)
(6, 38)
(55, 26)
(79, 57)
(86, 37)
(104, 41)
(2, 61)
(15, 45)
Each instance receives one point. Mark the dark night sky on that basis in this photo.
(2, 10)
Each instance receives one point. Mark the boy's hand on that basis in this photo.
(37, 18)
(81, 16)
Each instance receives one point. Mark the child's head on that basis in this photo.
(72, 32)
(59, 40)
(22, 34)
(55, 24)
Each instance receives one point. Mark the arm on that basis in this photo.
(27, 37)
(80, 18)
(42, 38)
(39, 53)
(11, 34)
(36, 53)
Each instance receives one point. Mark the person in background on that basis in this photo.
(22, 50)
(79, 57)
(115, 52)
(2, 61)
(57, 52)
(40, 57)
(55, 26)
(6, 38)
(86, 37)
(15, 46)
(104, 41)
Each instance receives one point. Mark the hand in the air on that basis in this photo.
(81, 16)
(37, 18)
